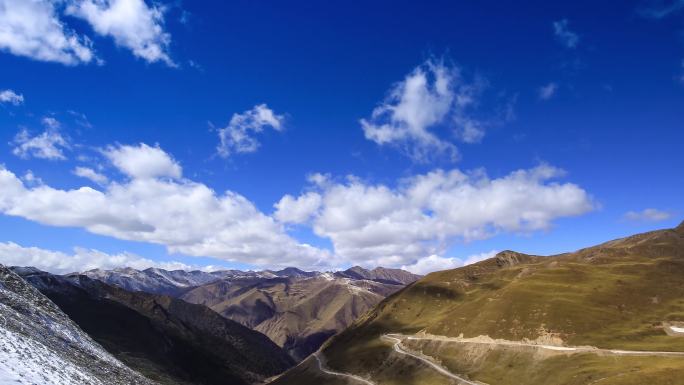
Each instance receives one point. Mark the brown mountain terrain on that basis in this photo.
(166, 339)
(610, 314)
(297, 313)
(297, 309)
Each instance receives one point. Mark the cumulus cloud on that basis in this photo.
(426, 214)
(433, 96)
(548, 91)
(297, 210)
(432, 263)
(89, 173)
(239, 135)
(48, 145)
(648, 215)
(185, 216)
(564, 35)
(132, 24)
(143, 161)
(32, 28)
(436, 263)
(11, 97)
(12, 254)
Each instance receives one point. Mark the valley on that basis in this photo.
(298, 310)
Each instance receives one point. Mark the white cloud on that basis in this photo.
(185, 216)
(548, 91)
(11, 97)
(426, 214)
(436, 263)
(51, 123)
(297, 210)
(131, 23)
(647, 215)
(433, 96)
(48, 145)
(563, 33)
(470, 130)
(12, 254)
(143, 161)
(475, 258)
(432, 263)
(89, 173)
(31, 179)
(372, 225)
(239, 135)
(31, 28)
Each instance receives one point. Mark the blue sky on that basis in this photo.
(583, 100)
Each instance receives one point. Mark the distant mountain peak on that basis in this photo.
(379, 274)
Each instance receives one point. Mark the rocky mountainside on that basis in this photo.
(157, 281)
(379, 274)
(610, 314)
(39, 344)
(167, 339)
(297, 313)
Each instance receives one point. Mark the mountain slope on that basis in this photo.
(297, 313)
(520, 319)
(164, 338)
(380, 274)
(39, 344)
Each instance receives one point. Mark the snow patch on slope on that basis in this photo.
(24, 361)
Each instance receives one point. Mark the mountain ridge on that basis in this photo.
(176, 282)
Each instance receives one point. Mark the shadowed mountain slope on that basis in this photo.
(297, 313)
(297, 309)
(39, 344)
(166, 339)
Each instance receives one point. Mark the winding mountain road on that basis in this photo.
(397, 339)
(399, 349)
(579, 349)
(325, 370)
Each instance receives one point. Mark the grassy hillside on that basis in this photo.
(623, 294)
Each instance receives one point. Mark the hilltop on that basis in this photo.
(524, 319)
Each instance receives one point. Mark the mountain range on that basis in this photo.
(175, 282)
(609, 314)
(296, 309)
(612, 314)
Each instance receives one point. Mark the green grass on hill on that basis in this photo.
(618, 295)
